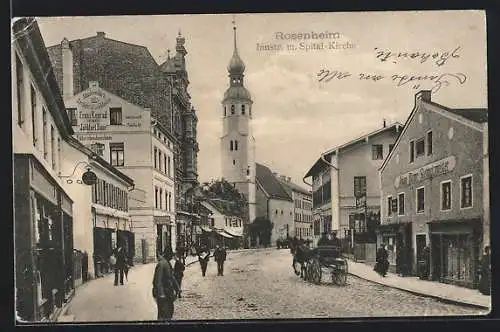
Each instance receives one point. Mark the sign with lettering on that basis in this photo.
(431, 170)
(93, 99)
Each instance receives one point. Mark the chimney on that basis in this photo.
(424, 95)
(67, 69)
(101, 34)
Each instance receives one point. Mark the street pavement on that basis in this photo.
(257, 284)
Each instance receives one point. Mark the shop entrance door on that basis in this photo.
(420, 246)
(437, 256)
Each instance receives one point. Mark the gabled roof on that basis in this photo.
(289, 186)
(126, 70)
(217, 205)
(270, 184)
(476, 115)
(319, 164)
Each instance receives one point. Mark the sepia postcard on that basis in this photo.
(250, 166)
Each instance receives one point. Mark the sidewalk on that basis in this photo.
(437, 290)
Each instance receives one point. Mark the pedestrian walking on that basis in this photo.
(382, 262)
(165, 287)
(485, 272)
(220, 256)
(179, 268)
(203, 258)
(119, 262)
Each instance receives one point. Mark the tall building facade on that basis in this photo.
(346, 188)
(237, 141)
(129, 72)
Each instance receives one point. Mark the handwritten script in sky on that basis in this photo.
(440, 58)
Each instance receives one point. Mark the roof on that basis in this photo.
(320, 164)
(218, 205)
(126, 70)
(293, 187)
(27, 35)
(270, 184)
(477, 115)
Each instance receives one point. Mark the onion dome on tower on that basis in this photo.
(236, 69)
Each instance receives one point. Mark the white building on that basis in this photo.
(237, 141)
(132, 141)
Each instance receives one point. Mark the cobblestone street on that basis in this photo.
(256, 285)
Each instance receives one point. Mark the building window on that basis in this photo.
(117, 154)
(391, 146)
(72, 116)
(169, 201)
(377, 151)
(445, 195)
(234, 162)
(466, 191)
(225, 110)
(401, 204)
(242, 109)
(168, 165)
(156, 197)
(359, 186)
(231, 146)
(20, 91)
(161, 198)
(159, 160)
(389, 206)
(420, 199)
(165, 163)
(420, 147)
(155, 163)
(115, 115)
(412, 151)
(33, 115)
(233, 108)
(235, 145)
(429, 143)
(53, 147)
(250, 110)
(59, 152)
(44, 133)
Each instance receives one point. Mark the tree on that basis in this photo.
(262, 228)
(227, 198)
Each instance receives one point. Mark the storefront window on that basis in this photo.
(466, 195)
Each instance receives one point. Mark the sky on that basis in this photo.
(295, 116)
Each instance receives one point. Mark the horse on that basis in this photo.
(302, 254)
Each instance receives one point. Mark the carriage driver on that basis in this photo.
(329, 239)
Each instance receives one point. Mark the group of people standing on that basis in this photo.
(167, 281)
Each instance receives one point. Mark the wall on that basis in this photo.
(261, 199)
(465, 146)
(280, 219)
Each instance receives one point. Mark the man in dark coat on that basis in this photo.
(203, 258)
(165, 287)
(121, 261)
(220, 255)
(381, 265)
(485, 272)
(179, 268)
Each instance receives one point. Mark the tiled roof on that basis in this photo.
(126, 70)
(479, 115)
(293, 187)
(270, 183)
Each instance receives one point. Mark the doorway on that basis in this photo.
(421, 243)
(436, 256)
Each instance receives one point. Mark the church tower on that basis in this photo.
(237, 141)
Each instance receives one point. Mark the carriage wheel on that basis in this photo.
(339, 278)
(315, 272)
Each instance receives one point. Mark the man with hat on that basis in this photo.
(165, 287)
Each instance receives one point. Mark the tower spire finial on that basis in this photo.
(234, 32)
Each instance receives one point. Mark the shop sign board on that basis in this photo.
(436, 168)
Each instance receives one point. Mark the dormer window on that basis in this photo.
(233, 108)
(231, 145)
(242, 109)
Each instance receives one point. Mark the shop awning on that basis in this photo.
(206, 228)
(224, 234)
(104, 210)
(232, 233)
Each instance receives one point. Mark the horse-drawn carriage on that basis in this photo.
(309, 264)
